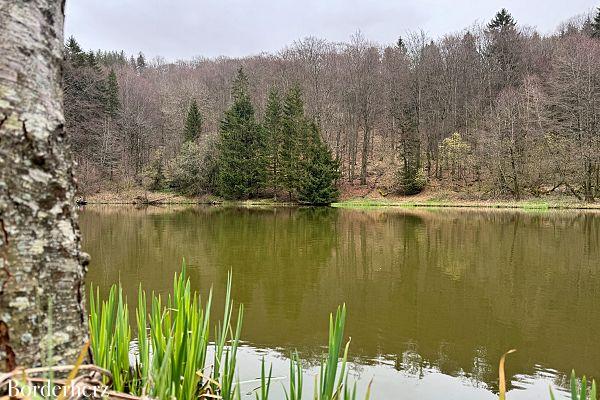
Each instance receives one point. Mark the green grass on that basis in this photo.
(535, 205)
(366, 203)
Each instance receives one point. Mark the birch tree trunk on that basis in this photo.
(40, 256)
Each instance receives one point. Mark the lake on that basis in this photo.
(434, 296)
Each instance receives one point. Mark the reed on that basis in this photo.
(580, 393)
(265, 382)
(110, 335)
(295, 385)
(172, 347)
(332, 374)
(172, 340)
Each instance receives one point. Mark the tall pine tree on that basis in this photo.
(193, 123)
(112, 94)
(140, 62)
(320, 172)
(92, 61)
(242, 163)
(502, 20)
(294, 129)
(274, 137)
(75, 53)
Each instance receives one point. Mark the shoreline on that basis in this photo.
(539, 205)
(431, 200)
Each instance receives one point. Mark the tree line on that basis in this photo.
(496, 110)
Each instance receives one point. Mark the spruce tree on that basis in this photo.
(294, 129)
(400, 44)
(596, 25)
(320, 172)
(193, 123)
(242, 164)
(140, 62)
(274, 136)
(92, 60)
(502, 20)
(75, 53)
(112, 94)
(73, 46)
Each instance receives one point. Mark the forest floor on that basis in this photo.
(356, 198)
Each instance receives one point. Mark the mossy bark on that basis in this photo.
(40, 255)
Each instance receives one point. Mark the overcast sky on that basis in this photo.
(179, 29)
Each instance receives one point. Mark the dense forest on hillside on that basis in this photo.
(497, 110)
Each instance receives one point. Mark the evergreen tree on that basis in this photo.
(596, 25)
(294, 129)
(140, 62)
(193, 123)
(72, 46)
(74, 52)
(242, 164)
(320, 172)
(274, 137)
(411, 179)
(92, 60)
(112, 94)
(503, 20)
(400, 44)
(99, 56)
(504, 51)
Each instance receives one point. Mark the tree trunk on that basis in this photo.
(40, 256)
(364, 156)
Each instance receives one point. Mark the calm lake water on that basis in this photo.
(434, 297)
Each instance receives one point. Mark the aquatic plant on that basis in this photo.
(172, 346)
(580, 393)
(265, 382)
(170, 355)
(332, 374)
(295, 385)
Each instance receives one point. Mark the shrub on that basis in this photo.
(411, 181)
(193, 171)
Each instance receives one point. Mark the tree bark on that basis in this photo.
(40, 255)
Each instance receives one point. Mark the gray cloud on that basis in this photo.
(187, 28)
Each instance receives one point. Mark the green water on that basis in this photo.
(434, 296)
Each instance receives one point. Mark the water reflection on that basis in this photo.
(429, 292)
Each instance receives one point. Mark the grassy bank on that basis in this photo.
(432, 200)
(500, 204)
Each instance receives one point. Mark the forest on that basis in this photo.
(497, 110)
